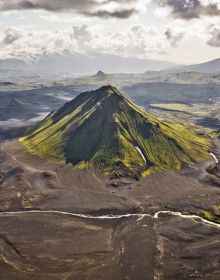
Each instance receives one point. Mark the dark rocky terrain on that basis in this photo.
(46, 245)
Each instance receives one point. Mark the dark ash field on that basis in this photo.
(60, 246)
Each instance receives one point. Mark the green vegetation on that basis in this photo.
(199, 110)
(212, 215)
(103, 131)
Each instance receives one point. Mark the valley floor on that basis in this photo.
(46, 245)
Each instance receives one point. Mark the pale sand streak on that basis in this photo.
(140, 152)
(215, 158)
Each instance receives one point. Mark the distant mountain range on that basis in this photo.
(210, 67)
(68, 64)
(79, 64)
(102, 130)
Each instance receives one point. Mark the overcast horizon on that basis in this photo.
(180, 31)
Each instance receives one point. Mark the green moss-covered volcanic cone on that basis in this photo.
(104, 131)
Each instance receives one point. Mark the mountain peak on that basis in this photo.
(104, 131)
(109, 89)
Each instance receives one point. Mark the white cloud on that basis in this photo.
(173, 36)
(138, 40)
(214, 36)
(25, 43)
(135, 41)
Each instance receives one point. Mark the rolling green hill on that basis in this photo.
(104, 131)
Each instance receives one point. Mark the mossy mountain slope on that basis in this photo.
(106, 132)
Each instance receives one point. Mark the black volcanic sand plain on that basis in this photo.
(59, 246)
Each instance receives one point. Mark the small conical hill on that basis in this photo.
(100, 74)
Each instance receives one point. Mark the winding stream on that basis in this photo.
(139, 216)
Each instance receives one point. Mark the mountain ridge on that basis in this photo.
(208, 67)
(67, 63)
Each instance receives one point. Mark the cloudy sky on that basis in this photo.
(182, 31)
